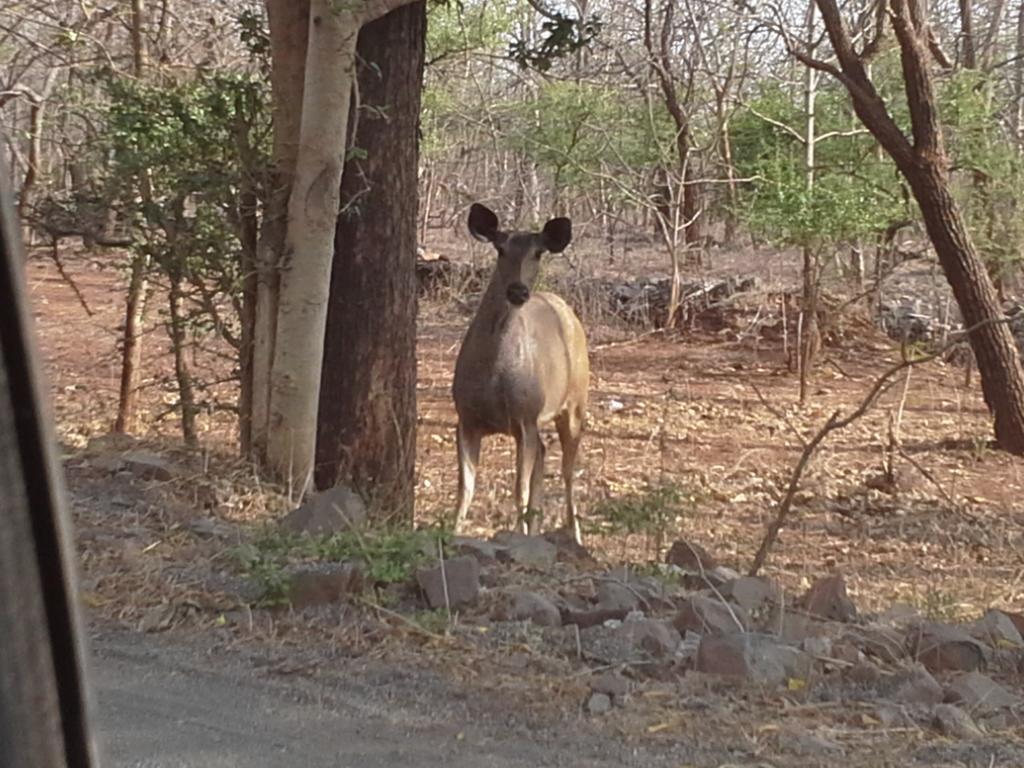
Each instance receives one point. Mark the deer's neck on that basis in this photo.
(494, 311)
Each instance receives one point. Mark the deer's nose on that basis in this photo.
(517, 294)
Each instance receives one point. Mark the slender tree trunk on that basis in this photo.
(289, 31)
(139, 57)
(925, 166)
(309, 243)
(138, 283)
(1018, 81)
(810, 341)
(131, 345)
(366, 430)
(177, 332)
(968, 49)
(248, 204)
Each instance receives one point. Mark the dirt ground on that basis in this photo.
(714, 414)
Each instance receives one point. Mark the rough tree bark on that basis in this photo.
(366, 425)
(923, 162)
(309, 237)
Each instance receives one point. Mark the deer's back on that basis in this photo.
(531, 366)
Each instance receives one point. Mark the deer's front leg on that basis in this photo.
(468, 445)
(529, 452)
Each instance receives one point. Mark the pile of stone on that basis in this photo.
(646, 301)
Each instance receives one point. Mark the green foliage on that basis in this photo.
(561, 36)
(454, 28)
(990, 170)
(855, 191)
(652, 511)
(388, 555)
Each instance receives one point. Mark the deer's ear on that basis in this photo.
(483, 223)
(557, 234)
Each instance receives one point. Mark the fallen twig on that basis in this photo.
(836, 422)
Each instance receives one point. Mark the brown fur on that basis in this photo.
(523, 361)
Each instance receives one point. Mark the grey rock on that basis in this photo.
(522, 605)
(149, 466)
(532, 551)
(486, 552)
(980, 693)
(755, 657)
(614, 596)
(690, 556)
(752, 593)
(704, 615)
(462, 576)
(945, 648)
(997, 629)
(917, 686)
(817, 646)
(599, 703)
(657, 638)
(610, 683)
(954, 722)
(331, 511)
(324, 583)
(827, 598)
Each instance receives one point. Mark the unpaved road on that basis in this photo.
(174, 704)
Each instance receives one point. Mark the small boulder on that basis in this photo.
(943, 648)
(794, 628)
(827, 599)
(462, 576)
(611, 684)
(599, 703)
(522, 605)
(883, 643)
(952, 721)
(532, 551)
(331, 511)
(690, 556)
(752, 593)
(568, 548)
(997, 629)
(612, 596)
(486, 552)
(149, 466)
(658, 638)
(705, 616)
(917, 686)
(755, 657)
(980, 693)
(820, 647)
(321, 584)
(107, 462)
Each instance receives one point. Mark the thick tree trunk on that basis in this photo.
(309, 243)
(1002, 380)
(924, 164)
(366, 430)
(289, 31)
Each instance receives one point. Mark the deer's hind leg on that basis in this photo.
(570, 431)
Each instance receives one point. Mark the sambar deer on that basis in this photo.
(523, 361)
